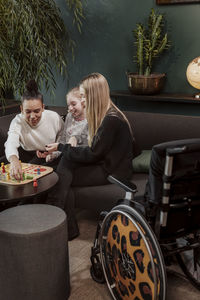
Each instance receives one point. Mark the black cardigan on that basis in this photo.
(112, 146)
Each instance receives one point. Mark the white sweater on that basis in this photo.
(20, 133)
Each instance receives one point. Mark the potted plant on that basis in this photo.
(150, 44)
(33, 42)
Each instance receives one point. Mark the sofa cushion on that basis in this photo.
(141, 163)
(105, 197)
(3, 136)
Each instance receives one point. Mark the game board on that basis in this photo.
(31, 172)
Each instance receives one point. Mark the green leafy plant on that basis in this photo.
(77, 8)
(151, 41)
(34, 41)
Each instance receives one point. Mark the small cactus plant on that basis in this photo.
(150, 42)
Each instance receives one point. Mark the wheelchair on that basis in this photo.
(139, 237)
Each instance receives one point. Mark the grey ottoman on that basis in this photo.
(34, 253)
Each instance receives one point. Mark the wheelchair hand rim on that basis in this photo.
(127, 211)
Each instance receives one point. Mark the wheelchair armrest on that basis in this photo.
(176, 150)
(127, 185)
(189, 148)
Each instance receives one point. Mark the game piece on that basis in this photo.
(38, 170)
(3, 168)
(8, 176)
(35, 184)
(28, 177)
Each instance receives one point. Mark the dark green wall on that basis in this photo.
(106, 43)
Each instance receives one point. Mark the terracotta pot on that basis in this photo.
(146, 85)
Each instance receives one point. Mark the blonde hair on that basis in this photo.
(98, 102)
(74, 92)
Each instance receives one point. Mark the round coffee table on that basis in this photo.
(14, 193)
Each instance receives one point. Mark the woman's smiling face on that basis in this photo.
(32, 111)
(76, 107)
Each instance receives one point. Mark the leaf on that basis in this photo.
(151, 41)
(33, 38)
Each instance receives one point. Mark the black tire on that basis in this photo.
(186, 261)
(97, 273)
(126, 240)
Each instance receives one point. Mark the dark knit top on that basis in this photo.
(112, 146)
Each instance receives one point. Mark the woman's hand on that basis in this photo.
(15, 168)
(73, 141)
(51, 147)
(42, 154)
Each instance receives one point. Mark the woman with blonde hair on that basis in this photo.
(110, 150)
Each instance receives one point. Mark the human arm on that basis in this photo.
(15, 167)
(52, 147)
(52, 152)
(102, 143)
(53, 155)
(73, 141)
(47, 155)
(42, 154)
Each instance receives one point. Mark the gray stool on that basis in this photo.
(34, 253)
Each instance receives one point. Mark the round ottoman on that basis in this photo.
(34, 261)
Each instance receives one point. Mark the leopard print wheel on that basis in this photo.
(131, 257)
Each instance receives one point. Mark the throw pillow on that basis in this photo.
(141, 163)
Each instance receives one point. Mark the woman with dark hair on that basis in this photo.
(31, 130)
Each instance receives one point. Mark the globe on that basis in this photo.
(193, 74)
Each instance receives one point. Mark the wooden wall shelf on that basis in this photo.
(10, 107)
(177, 98)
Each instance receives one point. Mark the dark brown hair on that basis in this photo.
(31, 92)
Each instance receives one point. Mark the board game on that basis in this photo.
(31, 172)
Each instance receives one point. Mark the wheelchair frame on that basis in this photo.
(125, 268)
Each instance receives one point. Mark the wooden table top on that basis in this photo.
(13, 193)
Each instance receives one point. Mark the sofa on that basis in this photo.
(149, 129)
